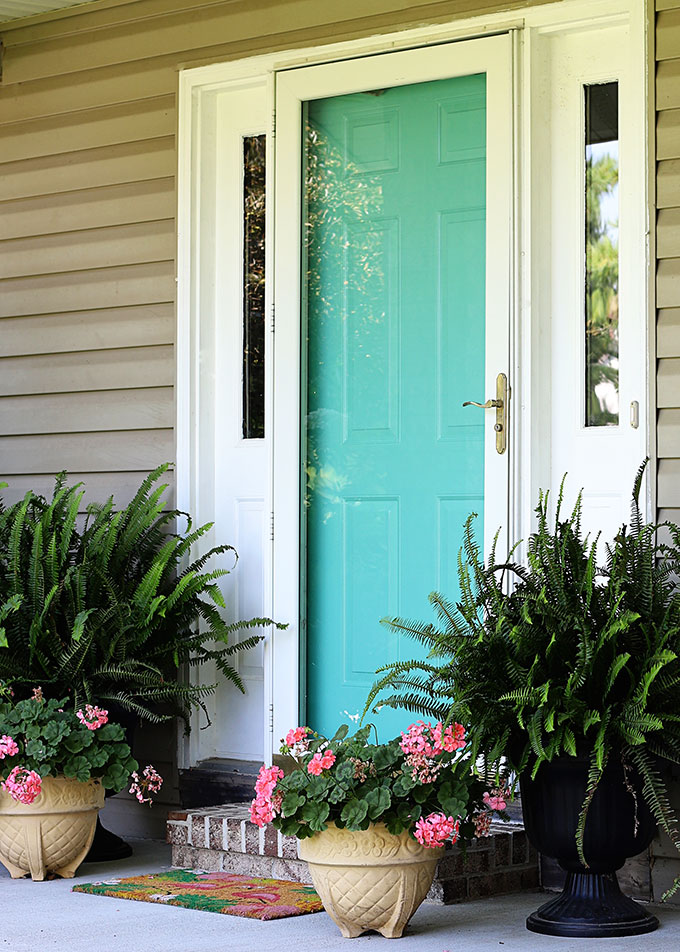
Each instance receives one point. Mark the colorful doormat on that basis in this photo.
(213, 892)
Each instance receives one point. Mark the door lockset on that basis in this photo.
(500, 405)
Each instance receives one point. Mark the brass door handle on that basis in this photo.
(500, 405)
(484, 406)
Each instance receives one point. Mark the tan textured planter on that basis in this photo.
(52, 834)
(370, 879)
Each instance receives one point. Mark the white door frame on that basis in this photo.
(528, 370)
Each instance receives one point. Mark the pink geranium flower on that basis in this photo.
(149, 782)
(266, 804)
(321, 762)
(296, 735)
(8, 747)
(93, 717)
(23, 785)
(436, 829)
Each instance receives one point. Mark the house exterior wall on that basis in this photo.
(88, 116)
(667, 105)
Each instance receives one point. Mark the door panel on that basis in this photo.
(395, 192)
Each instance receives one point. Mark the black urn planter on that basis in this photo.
(591, 903)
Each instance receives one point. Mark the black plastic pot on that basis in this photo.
(591, 903)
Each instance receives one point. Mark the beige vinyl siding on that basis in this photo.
(667, 46)
(87, 216)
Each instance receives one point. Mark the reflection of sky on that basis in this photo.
(609, 203)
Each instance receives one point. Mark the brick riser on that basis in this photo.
(223, 838)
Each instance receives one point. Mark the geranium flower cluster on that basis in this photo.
(296, 743)
(266, 804)
(23, 785)
(8, 747)
(422, 743)
(149, 782)
(434, 830)
(93, 717)
(497, 798)
(321, 762)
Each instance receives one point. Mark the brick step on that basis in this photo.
(223, 838)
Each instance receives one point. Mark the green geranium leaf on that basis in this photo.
(379, 800)
(339, 735)
(288, 827)
(403, 785)
(110, 732)
(291, 803)
(354, 813)
(344, 772)
(421, 793)
(315, 814)
(336, 794)
(384, 757)
(77, 767)
(296, 781)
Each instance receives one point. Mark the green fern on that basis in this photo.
(109, 610)
(570, 659)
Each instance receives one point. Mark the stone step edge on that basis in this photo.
(227, 828)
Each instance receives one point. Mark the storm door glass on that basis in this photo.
(394, 343)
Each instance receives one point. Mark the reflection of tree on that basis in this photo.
(345, 286)
(602, 293)
(253, 285)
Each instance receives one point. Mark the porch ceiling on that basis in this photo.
(13, 9)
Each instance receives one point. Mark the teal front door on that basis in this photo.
(394, 330)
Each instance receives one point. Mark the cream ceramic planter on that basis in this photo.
(369, 879)
(52, 834)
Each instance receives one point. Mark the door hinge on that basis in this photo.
(273, 317)
(271, 718)
(273, 124)
(271, 526)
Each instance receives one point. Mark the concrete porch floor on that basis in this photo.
(49, 916)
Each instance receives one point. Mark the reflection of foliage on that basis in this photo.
(345, 285)
(602, 290)
(253, 285)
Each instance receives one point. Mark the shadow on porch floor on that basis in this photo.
(48, 916)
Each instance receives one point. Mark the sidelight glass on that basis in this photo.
(602, 254)
(253, 285)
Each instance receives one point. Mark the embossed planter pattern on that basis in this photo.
(369, 879)
(54, 833)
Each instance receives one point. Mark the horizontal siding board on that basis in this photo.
(83, 290)
(88, 90)
(141, 409)
(131, 367)
(88, 168)
(668, 282)
(667, 34)
(668, 84)
(98, 486)
(668, 134)
(668, 433)
(92, 128)
(668, 184)
(96, 452)
(668, 334)
(184, 32)
(668, 233)
(668, 382)
(668, 485)
(95, 248)
(133, 11)
(89, 208)
(104, 328)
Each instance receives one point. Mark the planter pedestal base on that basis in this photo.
(591, 905)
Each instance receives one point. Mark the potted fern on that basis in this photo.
(106, 608)
(570, 677)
